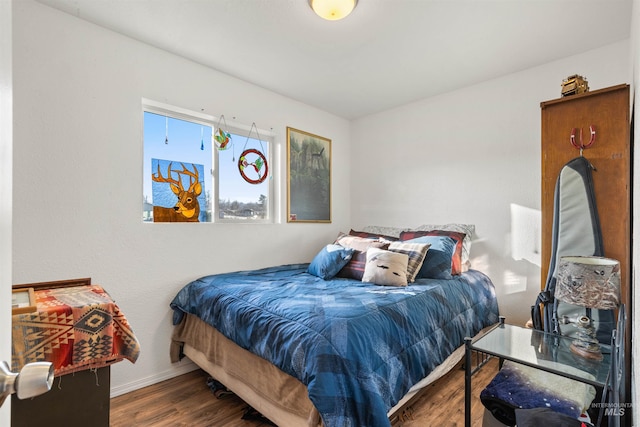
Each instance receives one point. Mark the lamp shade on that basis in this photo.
(333, 10)
(589, 281)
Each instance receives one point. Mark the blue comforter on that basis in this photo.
(358, 347)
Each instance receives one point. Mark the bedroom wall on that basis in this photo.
(6, 147)
(78, 178)
(473, 156)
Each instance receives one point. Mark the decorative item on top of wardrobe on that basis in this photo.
(252, 160)
(574, 85)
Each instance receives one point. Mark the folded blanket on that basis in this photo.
(520, 386)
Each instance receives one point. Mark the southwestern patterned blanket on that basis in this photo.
(358, 347)
(75, 328)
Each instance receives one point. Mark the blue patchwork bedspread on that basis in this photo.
(358, 347)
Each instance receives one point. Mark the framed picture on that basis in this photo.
(308, 177)
(23, 301)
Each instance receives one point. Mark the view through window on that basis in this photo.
(191, 176)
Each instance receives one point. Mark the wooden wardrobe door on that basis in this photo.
(607, 110)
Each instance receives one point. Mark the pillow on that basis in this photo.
(355, 267)
(384, 231)
(469, 231)
(329, 261)
(360, 243)
(437, 263)
(386, 268)
(416, 251)
(368, 235)
(456, 259)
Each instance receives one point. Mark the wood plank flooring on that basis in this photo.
(187, 401)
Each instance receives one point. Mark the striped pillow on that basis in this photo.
(355, 267)
(416, 252)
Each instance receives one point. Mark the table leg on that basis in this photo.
(467, 382)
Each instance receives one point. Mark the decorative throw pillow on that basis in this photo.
(386, 268)
(416, 251)
(329, 261)
(456, 260)
(368, 235)
(355, 267)
(469, 231)
(437, 263)
(360, 243)
(384, 231)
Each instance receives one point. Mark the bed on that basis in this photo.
(333, 351)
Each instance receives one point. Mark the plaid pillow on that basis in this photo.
(416, 252)
(355, 267)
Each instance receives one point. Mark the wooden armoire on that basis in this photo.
(607, 112)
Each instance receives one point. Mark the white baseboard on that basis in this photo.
(185, 366)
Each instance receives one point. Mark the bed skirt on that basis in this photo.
(276, 395)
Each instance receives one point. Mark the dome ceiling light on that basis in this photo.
(333, 10)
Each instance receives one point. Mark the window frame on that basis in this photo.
(235, 128)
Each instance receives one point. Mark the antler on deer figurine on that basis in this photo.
(187, 208)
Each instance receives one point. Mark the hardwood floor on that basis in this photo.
(187, 401)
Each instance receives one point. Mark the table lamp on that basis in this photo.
(591, 282)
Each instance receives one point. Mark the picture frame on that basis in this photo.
(23, 301)
(308, 177)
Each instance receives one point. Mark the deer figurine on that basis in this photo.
(187, 209)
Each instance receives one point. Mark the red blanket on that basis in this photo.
(75, 328)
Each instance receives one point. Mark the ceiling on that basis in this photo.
(385, 54)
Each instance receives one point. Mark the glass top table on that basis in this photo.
(548, 352)
(538, 349)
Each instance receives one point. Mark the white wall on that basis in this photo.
(468, 156)
(78, 177)
(6, 144)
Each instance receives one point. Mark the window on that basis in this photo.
(190, 176)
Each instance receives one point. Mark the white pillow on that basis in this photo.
(385, 267)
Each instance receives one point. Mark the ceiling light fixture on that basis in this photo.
(333, 10)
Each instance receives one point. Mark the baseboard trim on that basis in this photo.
(184, 367)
